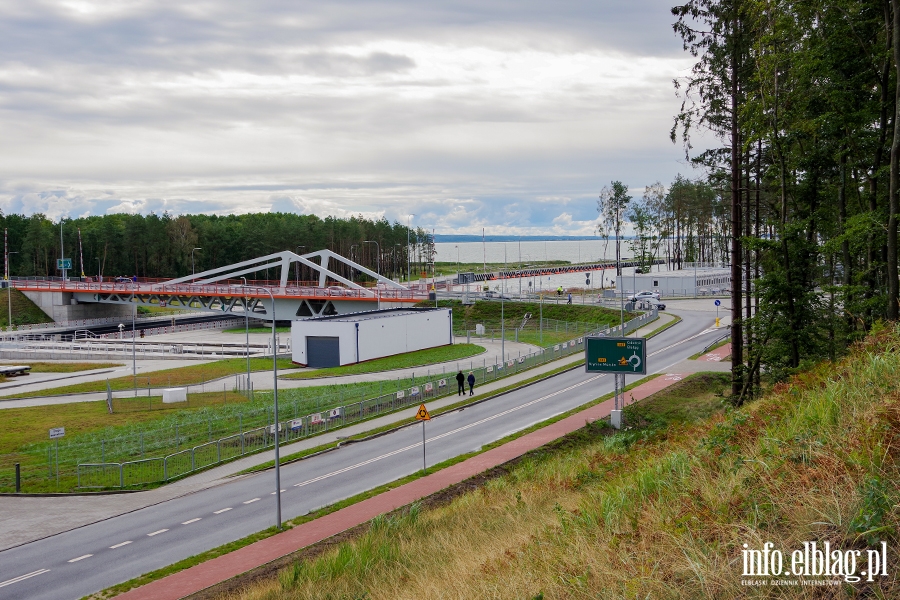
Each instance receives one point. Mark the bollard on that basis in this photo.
(18, 479)
(717, 321)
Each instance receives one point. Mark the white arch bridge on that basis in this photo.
(224, 289)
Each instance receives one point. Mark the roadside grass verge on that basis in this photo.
(62, 367)
(419, 358)
(660, 510)
(675, 321)
(191, 375)
(712, 349)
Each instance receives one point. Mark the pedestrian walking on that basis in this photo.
(570, 299)
(461, 382)
(471, 380)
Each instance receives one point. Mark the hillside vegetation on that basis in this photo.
(661, 510)
(24, 311)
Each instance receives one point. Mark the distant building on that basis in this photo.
(347, 339)
(705, 280)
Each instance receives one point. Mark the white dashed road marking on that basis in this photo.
(273, 493)
(219, 512)
(157, 532)
(191, 521)
(119, 545)
(437, 437)
(251, 501)
(82, 557)
(22, 577)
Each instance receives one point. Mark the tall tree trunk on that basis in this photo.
(892, 280)
(737, 346)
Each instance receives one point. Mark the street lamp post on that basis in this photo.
(192, 259)
(275, 396)
(133, 336)
(408, 274)
(247, 330)
(9, 291)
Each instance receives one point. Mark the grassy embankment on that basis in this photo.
(24, 311)
(658, 511)
(61, 367)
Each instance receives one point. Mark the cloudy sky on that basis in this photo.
(504, 114)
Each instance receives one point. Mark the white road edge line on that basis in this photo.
(120, 544)
(157, 532)
(23, 577)
(192, 521)
(82, 557)
(417, 444)
(219, 512)
(251, 501)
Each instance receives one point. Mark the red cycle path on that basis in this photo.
(219, 569)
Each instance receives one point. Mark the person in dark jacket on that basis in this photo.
(471, 380)
(461, 382)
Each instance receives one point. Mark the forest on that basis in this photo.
(803, 97)
(168, 246)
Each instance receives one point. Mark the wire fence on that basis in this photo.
(188, 441)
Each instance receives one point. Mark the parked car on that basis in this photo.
(648, 303)
(643, 295)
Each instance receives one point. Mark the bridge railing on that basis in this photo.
(259, 436)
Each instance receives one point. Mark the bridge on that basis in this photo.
(224, 290)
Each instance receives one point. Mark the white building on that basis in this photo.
(704, 280)
(348, 339)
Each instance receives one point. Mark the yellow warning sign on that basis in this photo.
(423, 415)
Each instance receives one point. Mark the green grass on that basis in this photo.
(711, 349)
(24, 311)
(429, 356)
(191, 375)
(62, 367)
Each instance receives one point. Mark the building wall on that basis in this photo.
(377, 337)
(675, 284)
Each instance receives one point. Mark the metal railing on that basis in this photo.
(105, 474)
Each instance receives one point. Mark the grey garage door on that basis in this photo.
(323, 351)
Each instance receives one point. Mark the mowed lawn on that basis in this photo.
(191, 375)
(430, 356)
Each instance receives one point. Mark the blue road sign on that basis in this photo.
(718, 302)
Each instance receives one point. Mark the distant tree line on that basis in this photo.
(803, 194)
(162, 245)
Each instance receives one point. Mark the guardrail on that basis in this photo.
(183, 462)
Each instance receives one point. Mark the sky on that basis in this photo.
(498, 114)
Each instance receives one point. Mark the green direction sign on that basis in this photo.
(615, 355)
(63, 263)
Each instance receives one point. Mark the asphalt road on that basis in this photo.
(88, 559)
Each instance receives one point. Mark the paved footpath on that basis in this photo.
(240, 561)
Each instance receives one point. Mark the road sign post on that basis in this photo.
(422, 415)
(717, 303)
(55, 434)
(617, 356)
